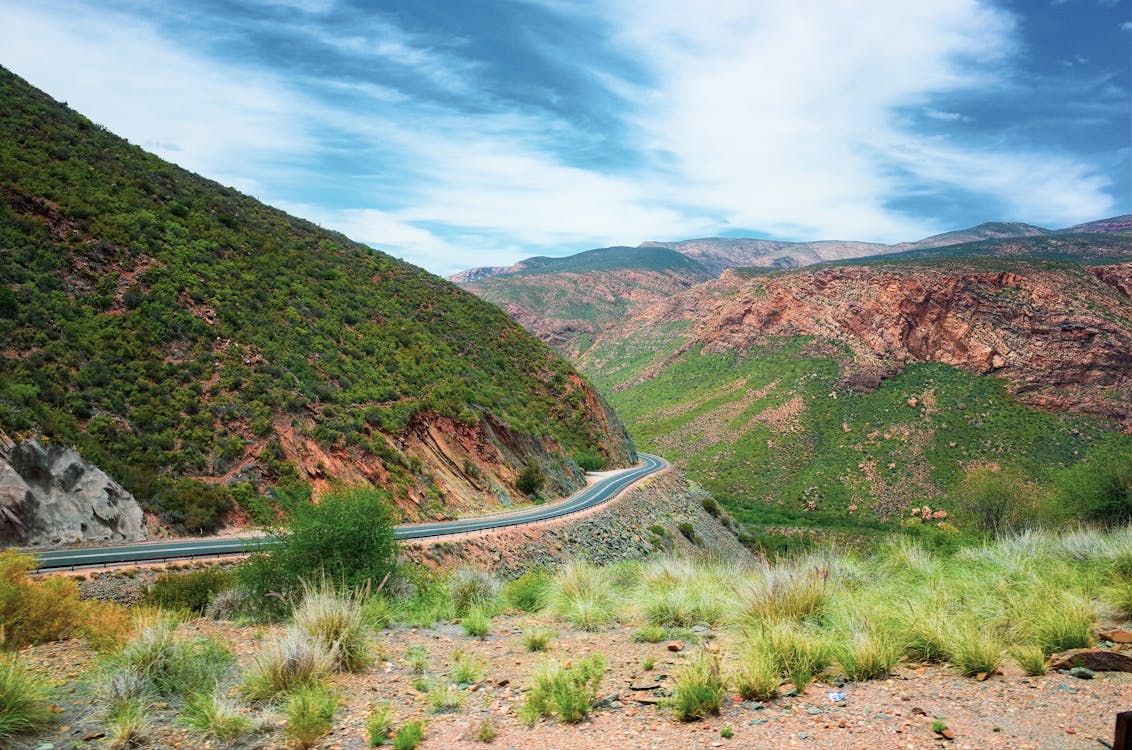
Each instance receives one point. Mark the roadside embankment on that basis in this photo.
(623, 528)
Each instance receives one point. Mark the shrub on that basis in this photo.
(565, 692)
(996, 502)
(310, 712)
(1100, 489)
(711, 505)
(214, 715)
(688, 530)
(36, 611)
(286, 664)
(697, 690)
(471, 587)
(537, 639)
(335, 620)
(226, 604)
(171, 665)
(127, 724)
(23, 701)
(409, 736)
(192, 592)
(590, 460)
(530, 480)
(757, 674)
(476, 622)
(191, 505)
(378, 724)
(528, 592)
(346, 539)
(485, 732)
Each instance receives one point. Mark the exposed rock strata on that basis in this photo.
(49, 495)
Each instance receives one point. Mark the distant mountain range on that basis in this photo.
(835, 382)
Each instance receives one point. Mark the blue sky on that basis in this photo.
(458, 134)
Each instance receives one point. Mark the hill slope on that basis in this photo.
(174, 329)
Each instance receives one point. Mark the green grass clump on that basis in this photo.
(781, 593)
(169, 664)
(476, 622)
(803, 652)
(445, 699)
(537, 639)
(309, 711)
(214, 715)
(409, 736)
(127, 724)
(697, 690)
(472, 587)
(528, 592)
(286, 664)
(465, 669)
(975, 649)
(1056, 621)
(868, 653)
(335, 620)
(190, 592)
(377, 612)
(585, 596)
(565, 692)
(1031, 658)
(24, 705)
(485, 732)
(756, 674)
(417, 657)
(378, 724)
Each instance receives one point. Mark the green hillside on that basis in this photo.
(171, 327)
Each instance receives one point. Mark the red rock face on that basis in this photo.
(1061, 338)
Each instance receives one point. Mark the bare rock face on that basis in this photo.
(49, 495)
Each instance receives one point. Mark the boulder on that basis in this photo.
(1093, 659)
(49, 496)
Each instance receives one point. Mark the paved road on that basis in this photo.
(590, 496)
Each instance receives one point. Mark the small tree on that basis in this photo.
(346, 538)
(997, 501)
(530, 481)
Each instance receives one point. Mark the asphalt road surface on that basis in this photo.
(189, 548)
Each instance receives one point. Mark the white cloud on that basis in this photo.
(937, 114)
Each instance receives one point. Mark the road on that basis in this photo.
(593, 495)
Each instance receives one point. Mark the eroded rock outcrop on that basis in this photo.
(49, 495)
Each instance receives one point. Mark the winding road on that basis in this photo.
(592, 495)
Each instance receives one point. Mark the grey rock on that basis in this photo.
(1082, 673)
(49, 496)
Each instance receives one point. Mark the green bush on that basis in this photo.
(409, 736)
(213, 715)
(378, 724)
(590, 460)
(996, 502)
(345, 539)
(191, 505)
(191, 592)
(309, 710)
(530, 480)
(528, 592)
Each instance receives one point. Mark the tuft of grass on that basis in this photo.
(417, 657)
(485, 732)
(335, 620)
(409, 736)
(471, 587)
(127, 724)
(529, 592)
(975, 649)
(1031, 658)
(445, 700)
(214, 715)
(782, 593)
(170, 664)
(757, 674)
(23, 700)
(309, 712)
(465, 669)
(585, 596)
(648, 663)
(650, 634)
(537, 639)
(291, 662)
(476, 621)
(378, 724)
(802, 652)
(565, 692)
(377, 612)
(697, 690)
(1056, 620)
(869, 653)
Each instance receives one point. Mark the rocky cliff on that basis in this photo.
(1061, 337)
(49, 495)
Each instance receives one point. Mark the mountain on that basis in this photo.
(842, 394)
(567, 301)
(202, 347)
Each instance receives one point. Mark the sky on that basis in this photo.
(461, 133)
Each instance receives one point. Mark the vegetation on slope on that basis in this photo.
(172, 328)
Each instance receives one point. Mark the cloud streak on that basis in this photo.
(801, 119)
